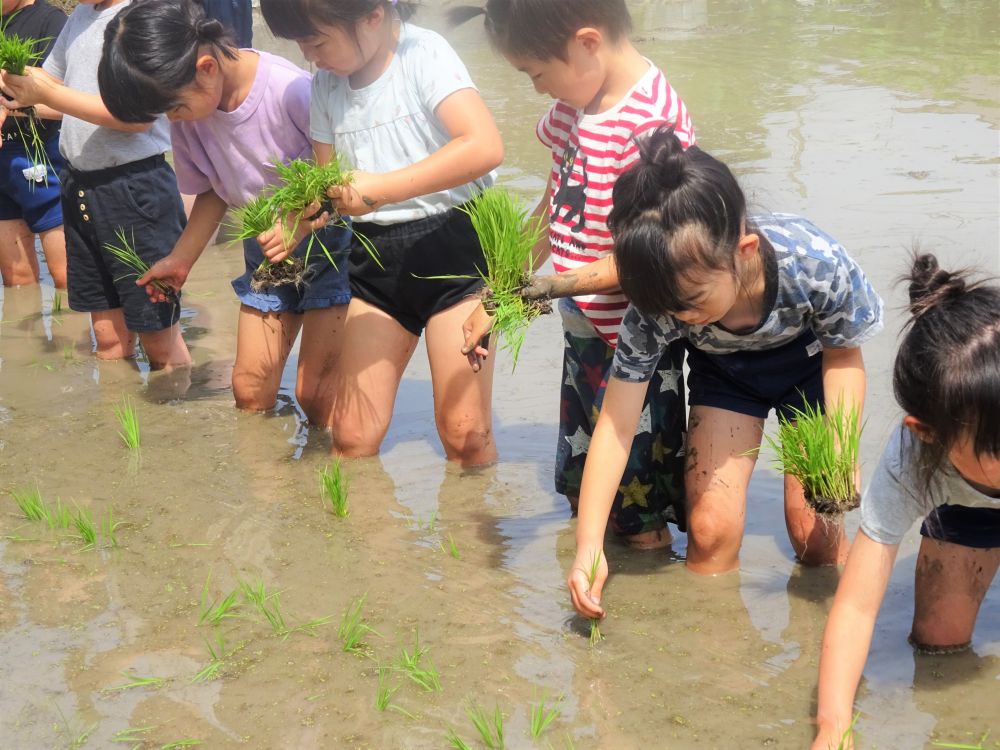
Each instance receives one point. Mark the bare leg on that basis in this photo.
(166, 349)
(54, 248)
(462, 398)
(716, 478)
(319, 352)
(951, 581)
(816, 540)
(373, 356)
(263, 341)
(114, 340)
(18, 264)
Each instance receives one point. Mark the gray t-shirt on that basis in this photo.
(895, 501)
(74, 59)
(817, 287)
(391, 123)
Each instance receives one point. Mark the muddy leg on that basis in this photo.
(816, 539)
(322, 341)
(263, 341)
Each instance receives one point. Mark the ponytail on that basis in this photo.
(947, 369)
(676, 214)
(150, 54)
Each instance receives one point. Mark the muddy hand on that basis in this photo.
(164, 278)
(538, 287)
(475, 333)
(586, 597)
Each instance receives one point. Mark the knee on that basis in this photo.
(17, 274)
(251, 392)
(714, 536)
(937, 633)
(469, 442)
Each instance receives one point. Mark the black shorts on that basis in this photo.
(139, 198)
(411, 254)
(754, 382)
(960, 524)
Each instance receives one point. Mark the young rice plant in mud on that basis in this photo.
(31, 504)
(17, 53)
(134, 681)
(125, 253)
(218, 655)
(385, 691)
(821, 451)
(595, 624)
(214, 612)
(981, 745)
(410, 664)
(508, 235)
(353, 628)
(128, 420)
(542, 715)
(490, 728)
(456, 742)
(85, 528)
(334, 485)
(267, 605)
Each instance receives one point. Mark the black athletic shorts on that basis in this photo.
(412, 254)
(141, 200)
(960, 524)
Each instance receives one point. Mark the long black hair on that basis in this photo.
(947, 369)
(298, 19)
(675, 215)
(150, 52)
(541, 29)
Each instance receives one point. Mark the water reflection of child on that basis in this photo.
(29, 192)
(578, 52)
(395, 101)
(233, 113)
(941, 463)
(773, 312)
(116, 177)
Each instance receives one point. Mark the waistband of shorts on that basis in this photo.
(101, 176)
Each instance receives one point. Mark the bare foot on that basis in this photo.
(655, 539)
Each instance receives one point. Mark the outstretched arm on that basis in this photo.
(848, 636)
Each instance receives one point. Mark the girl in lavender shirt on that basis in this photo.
(234, 112)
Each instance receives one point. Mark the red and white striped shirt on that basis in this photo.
(589, 152)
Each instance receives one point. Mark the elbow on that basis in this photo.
(494, 155)
(488, 153)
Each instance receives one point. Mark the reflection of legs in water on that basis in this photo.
(951, 581)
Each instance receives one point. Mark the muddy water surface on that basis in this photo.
(876, 119)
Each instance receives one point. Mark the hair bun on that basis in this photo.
(930, 285)
(663, 155)
(210, 29)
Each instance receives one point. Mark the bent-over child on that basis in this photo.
(29, 188)
(396, 102)
(116, 180)
(773, 313)
(941, 464)
(578, 53)
(233, 113)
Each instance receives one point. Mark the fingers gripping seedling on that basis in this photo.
(595, 624)
(16, 54)
(124, 252)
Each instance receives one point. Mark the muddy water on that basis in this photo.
(876, 119)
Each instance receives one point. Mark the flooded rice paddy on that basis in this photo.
(877, 119)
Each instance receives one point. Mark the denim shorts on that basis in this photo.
(756, 381)
(37, 202)
(139, 199)
(324, 285)
(959, 524)
(412, 254)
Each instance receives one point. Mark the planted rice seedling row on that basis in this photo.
(34, 508)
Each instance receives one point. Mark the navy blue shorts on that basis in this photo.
(412, 254)
(142, 200)
(235, 15)
(324, 285)
(35, 201)
(959, 524)
(754, 382)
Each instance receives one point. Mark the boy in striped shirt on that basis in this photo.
(607, 95)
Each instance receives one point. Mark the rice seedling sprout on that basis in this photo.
(110, 527)
(490, 728)
(981, 745)
(134, 681)
(334, 486)
(452, 548)
(84, 523)
(821, 451)
(132, 735)
(385, 691)
(457, 742)
(180, 743)
(268, 605)
(57, 304)
(215, 612)
(58, 517)
(125, 253)
(31, 504)
(211, 670)
(128, 419)
(508, 235)
(353, 628)
(595, 624)
(542, 715)
(409, 662)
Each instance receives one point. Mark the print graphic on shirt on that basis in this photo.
(573, 196)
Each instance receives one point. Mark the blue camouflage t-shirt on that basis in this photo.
(819, 288)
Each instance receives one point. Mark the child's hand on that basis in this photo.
(474, 330)
(587, 597)
(279, 242)
(360, 196)
(27, 90)
(538, 287)
(171, 272)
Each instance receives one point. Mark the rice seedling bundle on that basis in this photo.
(124, 252)
(508, 235)
(129, 421)
(31, 504)
(16, 54)
(595, 624)
(84, 523)
(353, 628)
(334, 485)
(821, 451)
(490, 728)
(542, 715)
(410, 664)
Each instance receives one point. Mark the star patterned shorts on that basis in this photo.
(652, 488)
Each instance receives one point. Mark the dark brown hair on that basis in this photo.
(297, 19)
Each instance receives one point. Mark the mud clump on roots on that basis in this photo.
(290, 271)
(829, 506)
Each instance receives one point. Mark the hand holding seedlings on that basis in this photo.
(586, 581)
(171, 272)
(475, 332)
(362, 195)
(538, 287)
(26, 90)
(281, 240)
